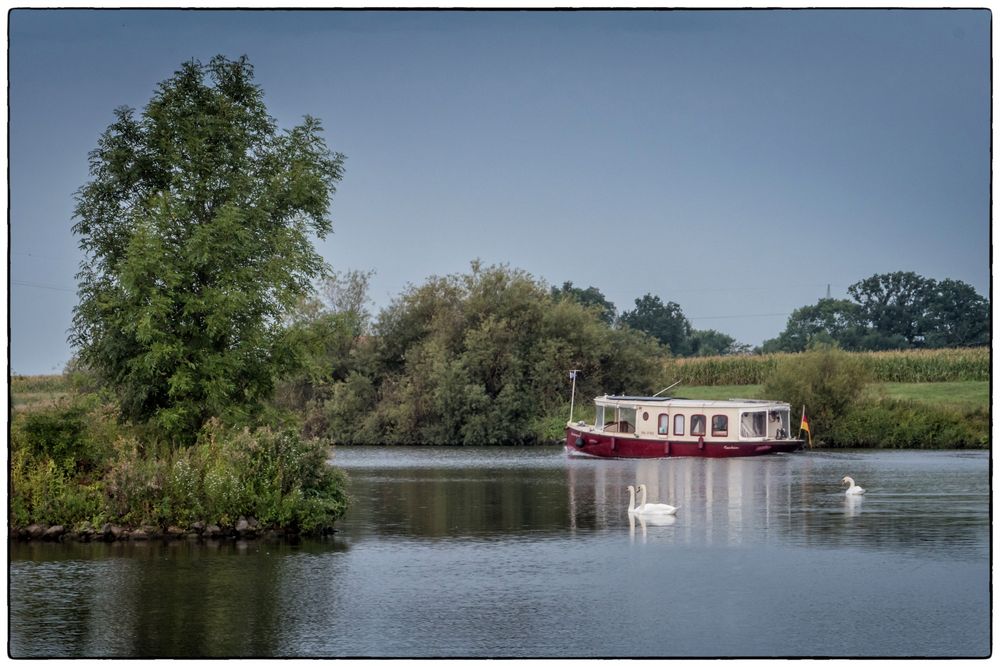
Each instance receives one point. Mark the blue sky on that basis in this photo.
(735, 162)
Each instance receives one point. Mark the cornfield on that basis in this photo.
(944, 365)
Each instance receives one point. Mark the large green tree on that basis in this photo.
(664, 322)
(197, 225)
(894, 304)
(956, 316)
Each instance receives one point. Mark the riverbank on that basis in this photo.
(77, 473)
(244, 529)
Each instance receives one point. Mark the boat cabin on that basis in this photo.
(680, 419)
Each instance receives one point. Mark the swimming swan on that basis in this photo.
(653, 508)
(853, 489)
(631, 501)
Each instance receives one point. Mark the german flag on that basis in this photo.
(804, 426)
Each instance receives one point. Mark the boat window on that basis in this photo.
(753, 424)
(599, 418)
(720, 425)
(663, 423)
(617, 419)
(678, 424)
(697, 424)
(627, 421)
(778, 424)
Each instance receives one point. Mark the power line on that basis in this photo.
(733, 317)
(41, 286)
(737, 288)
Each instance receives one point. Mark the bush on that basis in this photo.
(42, 491)
(904, 424)
(276, 476)
(58, 434)
(826, 380)
(75, 466)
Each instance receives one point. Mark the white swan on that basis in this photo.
(631, 500)
(653, 508)
(853, 489)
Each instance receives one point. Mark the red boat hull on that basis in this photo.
(628, 446)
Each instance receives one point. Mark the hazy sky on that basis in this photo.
(735, 162)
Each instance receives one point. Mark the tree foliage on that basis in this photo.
(893, 304)
(664, 322)
(590, 297)
(899, 310)
(710, 343)
(955, 316)
(478, 359)
(828, 321)
(197, 226)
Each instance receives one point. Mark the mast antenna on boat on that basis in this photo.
(666, 389)
(572, 396)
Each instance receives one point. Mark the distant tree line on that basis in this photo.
(663, 321)
(891, 311)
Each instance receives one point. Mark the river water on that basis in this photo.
(514, 552)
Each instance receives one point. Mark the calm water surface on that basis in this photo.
(522, 552)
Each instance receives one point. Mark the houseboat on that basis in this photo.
(641, 427)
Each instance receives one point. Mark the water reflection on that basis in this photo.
(651, 520)
(794, 499)
(451, 552)
(852, 505)
(166, 599)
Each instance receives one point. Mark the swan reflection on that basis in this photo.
(648, 519)
(852, 505)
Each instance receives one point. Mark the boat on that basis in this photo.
(648, 427)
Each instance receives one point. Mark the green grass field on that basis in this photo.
(962, 395)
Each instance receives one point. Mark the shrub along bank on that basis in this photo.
(74, 469)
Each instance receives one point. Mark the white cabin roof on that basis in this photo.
(668, 402)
